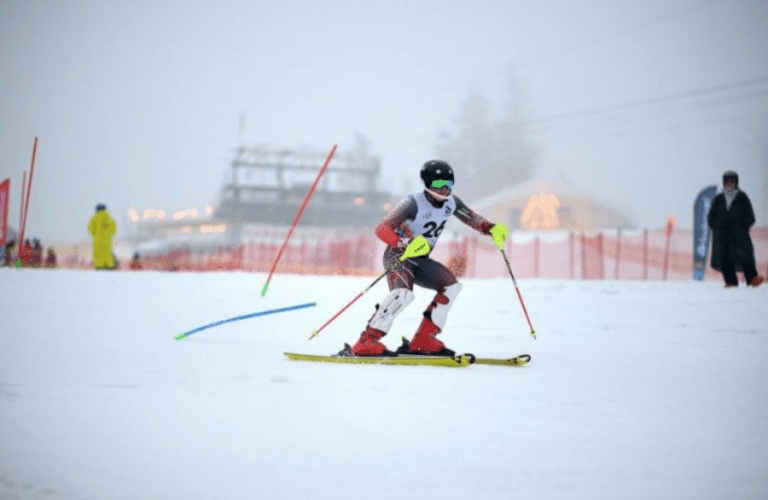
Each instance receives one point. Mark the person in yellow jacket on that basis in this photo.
(102, 228)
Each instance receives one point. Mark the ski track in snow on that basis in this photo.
(636, 390)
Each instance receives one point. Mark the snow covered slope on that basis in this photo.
(636, 390)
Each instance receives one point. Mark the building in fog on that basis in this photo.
(266, 188)
(543, 205)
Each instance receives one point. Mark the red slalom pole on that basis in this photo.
(297, 217)
(670, 228)
(21, 210)
(23, 227)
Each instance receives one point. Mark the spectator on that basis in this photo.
(36, 259)
(730, 218)
(102, 228)
(50, 259)
(10, 254)
(25, 254)
(136, 262)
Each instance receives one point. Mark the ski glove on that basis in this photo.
(499, 234)
(416, 248)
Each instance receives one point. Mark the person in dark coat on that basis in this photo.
(36, 260)
(730, 218)
(50, 259)
(10, 253)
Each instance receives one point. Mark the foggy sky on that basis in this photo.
(138, 104)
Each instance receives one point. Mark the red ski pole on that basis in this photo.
(419, 246)
(316, 332)
(296, 219)
(525, 311)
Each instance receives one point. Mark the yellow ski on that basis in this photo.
(459, 361)
(520, 360)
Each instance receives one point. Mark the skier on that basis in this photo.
(730, 218)
(421, 214)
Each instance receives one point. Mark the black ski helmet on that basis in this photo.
(101, 206)
(731, 175)
(436, 170)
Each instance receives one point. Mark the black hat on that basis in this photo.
(731, 175)
(101, 206)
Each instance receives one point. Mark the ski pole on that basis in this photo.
(418, 246)
(517, 289)
(296, 219)
(316, 332)
(184, 335)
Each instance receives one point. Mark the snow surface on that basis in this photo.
(636, 390)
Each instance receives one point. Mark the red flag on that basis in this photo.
(5, 192)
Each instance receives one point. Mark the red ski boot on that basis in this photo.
(757, 281)
(369, 344)
(425, 340)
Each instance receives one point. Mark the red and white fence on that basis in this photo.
(608, 254)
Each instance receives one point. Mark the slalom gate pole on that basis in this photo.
(25, 212)
(421, 247)
(297, 217)
(184, 335)
(20, 235)
(517, 289)
(5, 196)
(21, 210)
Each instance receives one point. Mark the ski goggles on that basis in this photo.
(442, 184)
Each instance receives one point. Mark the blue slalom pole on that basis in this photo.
(184, 335)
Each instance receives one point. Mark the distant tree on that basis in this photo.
(489, 153)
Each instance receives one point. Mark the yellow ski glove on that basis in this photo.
(499, 234)
(416, 248)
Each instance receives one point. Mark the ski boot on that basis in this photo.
(425, 341)
(369, 345)
(380, 323)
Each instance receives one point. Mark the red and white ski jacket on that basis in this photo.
(420, 215)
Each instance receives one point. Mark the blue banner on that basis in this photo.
(701, 231)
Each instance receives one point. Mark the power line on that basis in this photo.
(602, 110)
(618, 33)
(690, 125)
